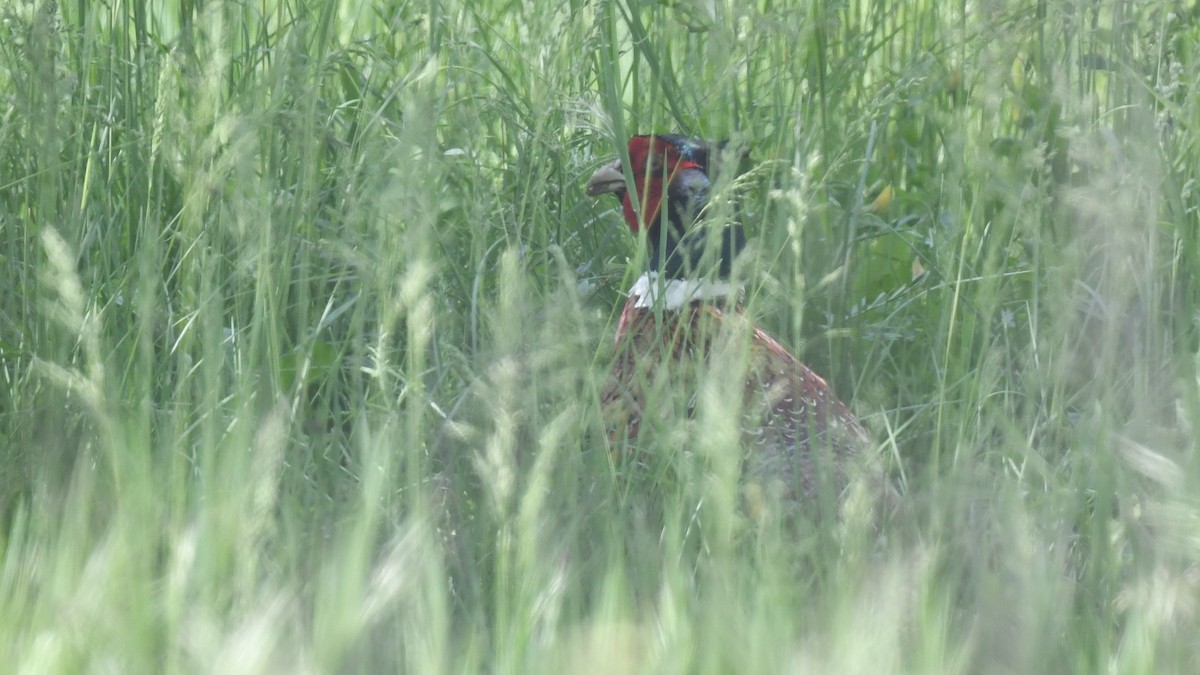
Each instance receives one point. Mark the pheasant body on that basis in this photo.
(796, 436)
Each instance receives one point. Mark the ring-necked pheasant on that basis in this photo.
(798, 440)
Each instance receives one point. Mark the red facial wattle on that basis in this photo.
(649, 182)
(650, 201)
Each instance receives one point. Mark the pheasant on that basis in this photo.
(798, 440)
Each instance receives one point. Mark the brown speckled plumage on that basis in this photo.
(794, 430)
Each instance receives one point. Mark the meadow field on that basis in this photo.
(304, 314)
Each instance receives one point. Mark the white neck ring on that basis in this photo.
(675, 293)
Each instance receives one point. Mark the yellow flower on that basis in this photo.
(882, 200)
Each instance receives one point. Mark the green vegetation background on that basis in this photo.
(304, 312)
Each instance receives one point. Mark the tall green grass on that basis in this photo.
(305, 313)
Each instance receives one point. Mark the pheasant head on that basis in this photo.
(670, 177)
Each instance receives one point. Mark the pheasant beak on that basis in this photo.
(607, 179)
